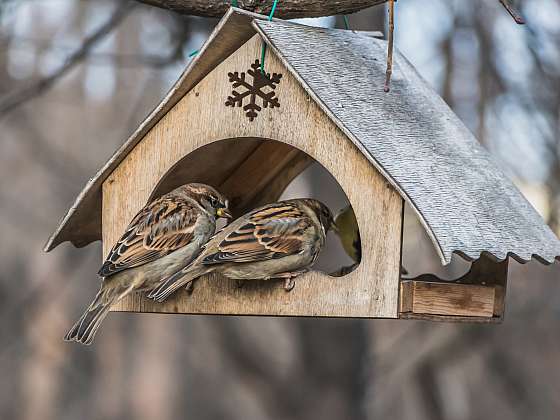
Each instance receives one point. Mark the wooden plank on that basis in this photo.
(451, 318)
(486, 271)
(500, 301)
(453, 299)
(200, 118)
(406, 296)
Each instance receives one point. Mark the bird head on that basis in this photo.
(349, 233)
(324, 214)
(208, 197)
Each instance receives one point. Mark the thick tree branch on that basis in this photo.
(287, 9)
(14, 99)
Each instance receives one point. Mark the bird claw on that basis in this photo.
(189, 287)
(289, 284)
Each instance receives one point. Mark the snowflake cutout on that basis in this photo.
(261, 81)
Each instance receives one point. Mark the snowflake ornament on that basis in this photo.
(262, 87)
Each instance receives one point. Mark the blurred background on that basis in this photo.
(76, 77)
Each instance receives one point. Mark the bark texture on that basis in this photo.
(287, 9)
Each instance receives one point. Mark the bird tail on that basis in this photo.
(174, 282)
(85, 328)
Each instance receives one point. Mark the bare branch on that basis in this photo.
(514, 13)
(14, 99)
(289, 9)
(390, 45)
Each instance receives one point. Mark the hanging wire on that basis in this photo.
(273, 9)
(346, 22)
(389, 70)
(263, 51)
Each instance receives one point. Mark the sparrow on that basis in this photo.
(163, 237)
(278, 241)
(349, 235)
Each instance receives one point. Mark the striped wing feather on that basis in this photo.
(272, 232)
(160, 228)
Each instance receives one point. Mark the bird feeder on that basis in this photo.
(249, 133)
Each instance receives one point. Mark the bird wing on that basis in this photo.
(160, 228)
(271, 232)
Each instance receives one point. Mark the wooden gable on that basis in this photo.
(253, 167)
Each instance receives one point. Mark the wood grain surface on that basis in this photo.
(200, 118)
(478, 296)
(431, 298)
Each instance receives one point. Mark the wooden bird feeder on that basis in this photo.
(321, 99)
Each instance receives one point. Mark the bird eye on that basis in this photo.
(214, 202)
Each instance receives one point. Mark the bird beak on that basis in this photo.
(224, 212)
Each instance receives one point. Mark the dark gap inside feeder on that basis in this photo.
(419, 255)
(254, 171)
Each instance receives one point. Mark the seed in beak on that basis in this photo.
(224, 212)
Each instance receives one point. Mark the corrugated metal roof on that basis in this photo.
(464, 200)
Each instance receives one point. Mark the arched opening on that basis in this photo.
(254, 171)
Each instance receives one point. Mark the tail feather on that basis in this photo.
(85, 328)
(173, 283)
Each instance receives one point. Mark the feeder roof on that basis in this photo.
(464, 200)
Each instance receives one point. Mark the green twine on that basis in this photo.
(234, 3)
(346, 23)
(263, 51)
(263, 54)
(273, 9)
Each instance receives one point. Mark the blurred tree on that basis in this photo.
(502, 80)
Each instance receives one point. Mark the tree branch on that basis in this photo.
(16, 98)
(287, 9)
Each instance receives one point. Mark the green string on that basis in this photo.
(263, 51)
(273, 9)
(234, 3)
(346, 23)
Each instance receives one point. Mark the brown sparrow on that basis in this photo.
(165, 236)
(349, 235)
(280, 240)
